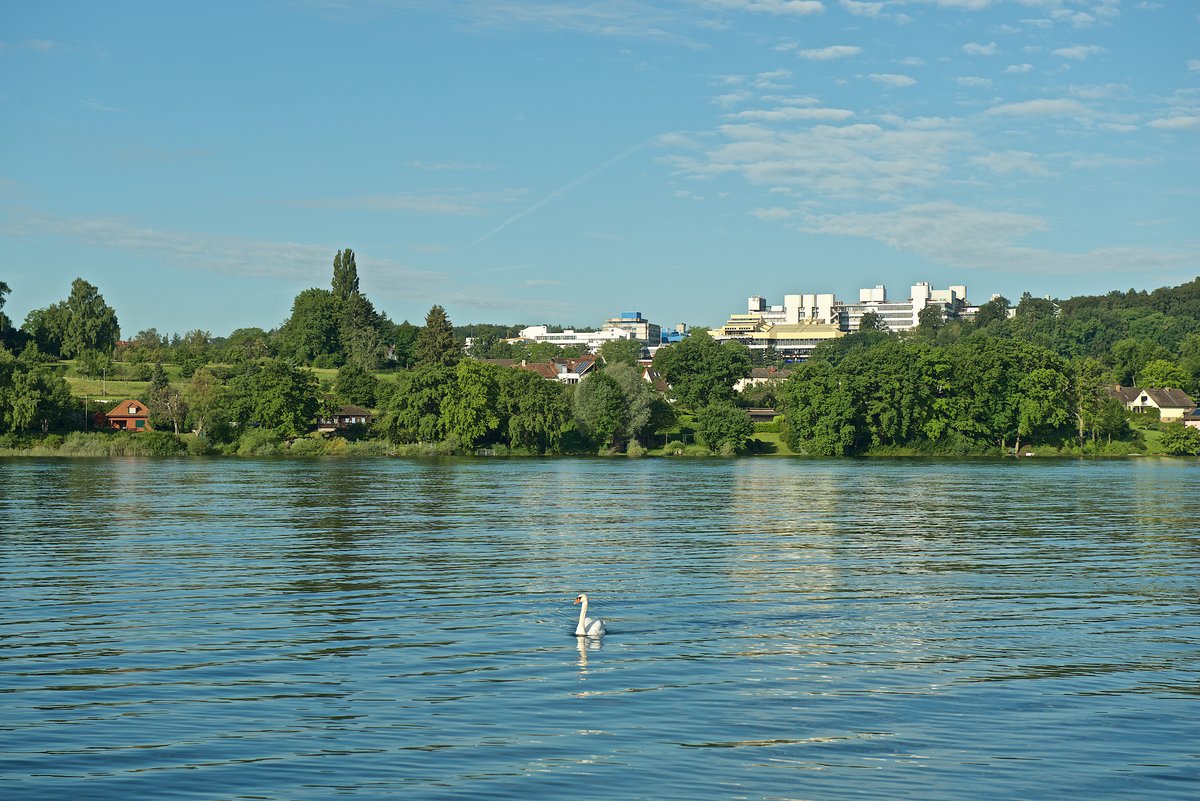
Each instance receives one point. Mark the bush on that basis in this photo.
(635, 450)
(198, 446)
(158, 443)
(307, 447)
(674, 448)
(1180, 440)
(259, 442)
(52, 441)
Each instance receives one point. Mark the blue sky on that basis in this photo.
(522, 161)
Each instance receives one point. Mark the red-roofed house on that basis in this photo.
(128, 415)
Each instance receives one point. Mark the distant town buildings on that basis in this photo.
(792, 330)
(589, 340)
(644, 331)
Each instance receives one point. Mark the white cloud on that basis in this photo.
(774, 214)
(1182, 123)
(1018, 69)
(789, 7)
(775, 79)
(890, 79)
(830, 53)
(1011, 162)
(1193, 65)
(1079, 52)
(976, 49)
(856, 161)
(1044, 107)
(793, 114)
(972, 81)
(961, 236)
(862, 9)
(732, 98)
(224, 254)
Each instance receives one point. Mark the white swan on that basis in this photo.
(588, 626)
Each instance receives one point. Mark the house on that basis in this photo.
(654, 379)
(761, 375)
(565, 371)
(1172, 404)
(344, 417)
(1126, 395)
(1192, 418)
(762, 415)
(128, 415)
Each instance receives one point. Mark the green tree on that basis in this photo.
(47, 327)
(5, 323)
(355, 385)
(724, 426)
(413, 412)
(994, 311)
(621, 351)
(271, 394)
(436, 345)
(1180, 440)
(600, 408)
(90, 323)
(639, 400)
(311, 334)
(930, 320)
(470, 411)
(871, 321)
(535, 411)
(207, 401)
(345, 275)
(31, 394)
(1163, 373)
(166, 404)
(701, 370)
(1090, 387)
(1130, 356)
(1043, 404)
(822, 418)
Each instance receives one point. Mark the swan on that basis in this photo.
(588, 626)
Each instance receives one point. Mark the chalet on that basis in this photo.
(343, 417)
(1172, 404)
(128, 415)
(762, 415)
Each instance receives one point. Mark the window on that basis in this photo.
(139, 423)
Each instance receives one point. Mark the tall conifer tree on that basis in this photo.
(435, 346)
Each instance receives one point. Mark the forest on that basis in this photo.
(1034, 376)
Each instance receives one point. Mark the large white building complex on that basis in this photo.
(589, 340)
(804, 321)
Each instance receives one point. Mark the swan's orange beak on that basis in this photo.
(575, 601)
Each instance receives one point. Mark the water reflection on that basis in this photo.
(787, 629)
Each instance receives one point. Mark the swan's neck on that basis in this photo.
(582, 613)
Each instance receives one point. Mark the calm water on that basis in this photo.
(236, 629)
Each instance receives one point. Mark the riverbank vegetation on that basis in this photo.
(1033, 379)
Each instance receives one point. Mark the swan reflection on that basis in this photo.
(585, 644)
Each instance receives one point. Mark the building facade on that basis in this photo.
(646, 332)
(589, 340)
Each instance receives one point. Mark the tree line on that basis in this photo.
(1036, 374)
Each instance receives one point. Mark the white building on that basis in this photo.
(589, 340)
(646, 332)
(901, 315)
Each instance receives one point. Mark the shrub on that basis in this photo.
(259, 442)
(158, 443)
(635, 450)
(674, 448)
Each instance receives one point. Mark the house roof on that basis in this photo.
(353, 411)
(1123, 394)
(1169, 398)
(122, 409)
(768, 372)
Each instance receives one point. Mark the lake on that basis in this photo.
(778, 629)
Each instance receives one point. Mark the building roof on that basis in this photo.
(1169, 398)
(352, 411)
(768, 373)
(122, 409)
(1125, 395)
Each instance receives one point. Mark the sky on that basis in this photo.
(553, 162)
